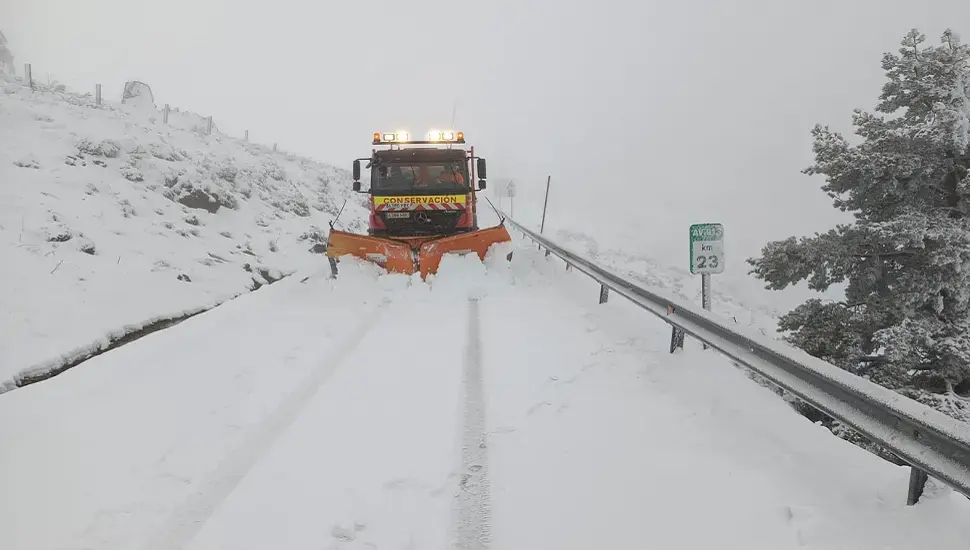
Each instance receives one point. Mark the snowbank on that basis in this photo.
(110, 219)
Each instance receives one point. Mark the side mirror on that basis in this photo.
(481, 185)
(481, 168)
(357, 186)
(357, 174)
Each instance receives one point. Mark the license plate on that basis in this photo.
(398, 214)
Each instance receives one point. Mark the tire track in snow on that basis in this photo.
(188, 519)
(471, 528)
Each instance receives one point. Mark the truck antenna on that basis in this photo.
(454, 109)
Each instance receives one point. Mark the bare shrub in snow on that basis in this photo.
(127, 210)
(132, 174)
(87, 246)
(293, 205)
(275, 172)
(195, 194)
(163, 151)
(105, 148)
(227, 173)
(172, 178)
(58, 234)
(28, 161)
(314, 234)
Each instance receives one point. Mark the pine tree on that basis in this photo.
(905, 319)
(6, 58)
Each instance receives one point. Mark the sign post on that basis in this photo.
(706, 256)
(706, 259)
(511, 190)
(545, 203)
(542, 225)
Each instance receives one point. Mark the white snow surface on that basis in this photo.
(94, 241)
(495, 405)
(331, 414)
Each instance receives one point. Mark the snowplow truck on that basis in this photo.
(423, 205)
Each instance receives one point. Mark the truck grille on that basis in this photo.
(424, 222)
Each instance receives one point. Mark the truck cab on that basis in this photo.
(421, 191)
(423, 206)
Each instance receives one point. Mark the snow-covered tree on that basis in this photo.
(6, 58)
(905, 320)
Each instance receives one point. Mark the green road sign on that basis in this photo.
(706, 248)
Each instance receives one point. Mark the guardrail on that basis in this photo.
(929, 441)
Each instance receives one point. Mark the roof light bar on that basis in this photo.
(434, 136)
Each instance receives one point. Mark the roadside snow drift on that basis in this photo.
(110, 218)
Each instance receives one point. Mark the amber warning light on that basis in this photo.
(434, 136)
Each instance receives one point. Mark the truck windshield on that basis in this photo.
(420, 177)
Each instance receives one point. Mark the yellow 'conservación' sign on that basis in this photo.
(420, 199)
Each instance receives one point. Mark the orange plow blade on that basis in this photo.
(478, 242)
(391, 255)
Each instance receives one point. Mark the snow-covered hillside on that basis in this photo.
(110, 218)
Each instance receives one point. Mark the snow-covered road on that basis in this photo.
(500, 408)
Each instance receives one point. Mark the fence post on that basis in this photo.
(165, 112)
(247, 135)
(97, 94)
(208, 125)
(28, 76)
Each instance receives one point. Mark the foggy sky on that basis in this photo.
(649, 115)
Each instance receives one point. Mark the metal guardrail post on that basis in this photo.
(676, 334)
(676, 338)
(917, 482)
